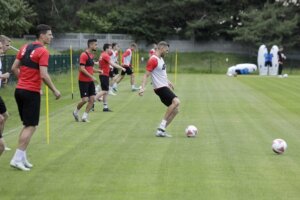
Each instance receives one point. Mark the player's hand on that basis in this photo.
(57, 94)
(124, 69)
(141, 91)
(171, 85)
(5, 75)
(95, 79)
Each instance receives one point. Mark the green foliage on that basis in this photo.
(273, 24)
(17, 17)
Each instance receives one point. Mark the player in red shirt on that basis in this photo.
(156, 68)
(104, 64)
(152, 51)
(31, 68)
(86, 80)
(127, 64)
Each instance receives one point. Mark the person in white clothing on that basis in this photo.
(4, 46)
(156, 68)
(114, 72)
(127, 64)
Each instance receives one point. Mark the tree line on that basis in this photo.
(252, 22)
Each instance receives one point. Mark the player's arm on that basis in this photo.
(116, 65)
(16, 67)
(47, 80)
(97, 70)
(86, 73)
(144, 83)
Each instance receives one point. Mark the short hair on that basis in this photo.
(133, 45)
(113, 44)
(90, 41)
(106, 46)
(42, 29)
(4, 38)
(162, 44)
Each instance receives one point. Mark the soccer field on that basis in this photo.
(117, 157)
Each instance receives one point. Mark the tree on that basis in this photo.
(273, 24)
(16, 17)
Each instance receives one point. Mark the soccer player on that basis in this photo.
(156, 68)
(281, 58)
(113, 74)
(152, 51)
(86, 80)
(4, 46)
(127, 64)
(31, 67)
(104, 65)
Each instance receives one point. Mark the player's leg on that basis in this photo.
(2, 146)
(29, 111)
(4, 113)
(172, 111)
(105, 88)
(83, 88)
(91, 99)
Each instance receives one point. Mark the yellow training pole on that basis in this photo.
(120, 57)
(175, 72)
(47, 116)
(71, 67)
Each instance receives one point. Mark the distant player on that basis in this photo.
(156, 68)
(114, 72)
(127, 64)
(104, 64)
(86, 80)
(281, 59)
(4, 46)
(152, 51)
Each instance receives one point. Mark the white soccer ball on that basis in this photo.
(279, 146)
(191, 131)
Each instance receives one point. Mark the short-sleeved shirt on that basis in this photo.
(86, 60)
(126, 58)
(104, 63)
(29, 77)
(158, 70)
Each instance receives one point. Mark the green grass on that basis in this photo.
(116, 156)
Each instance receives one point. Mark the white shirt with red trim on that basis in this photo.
(126, 58)
(158, 70)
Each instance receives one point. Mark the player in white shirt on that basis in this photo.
(156, 68)
(4, 46)
(113, 74)
(127, 64)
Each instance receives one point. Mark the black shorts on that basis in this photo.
(2, 106)
(128, 71)
(87, 89)
(113, 72)
(166, 95)
(104, 80)
(29, 106)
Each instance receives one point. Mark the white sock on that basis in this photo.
(115, 85)
(163, 124)
(133, 86)
(105, 105)
(76, 111)
(85, 115)
(19, 155)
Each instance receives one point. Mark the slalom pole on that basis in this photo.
(47, 116)
(71, 67)
(175, 71)
(138, 63)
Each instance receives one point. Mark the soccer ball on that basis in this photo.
(279, 146)
(191, 131)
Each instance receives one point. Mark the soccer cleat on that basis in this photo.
(162, 133)
(135, 89)
(19, 165)
(27, 164)
(107, 110)
(111, 93)
(76, 117)
(85, 120)
(7, 149)
(115, 89)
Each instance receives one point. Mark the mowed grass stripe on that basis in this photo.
(116, 156)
